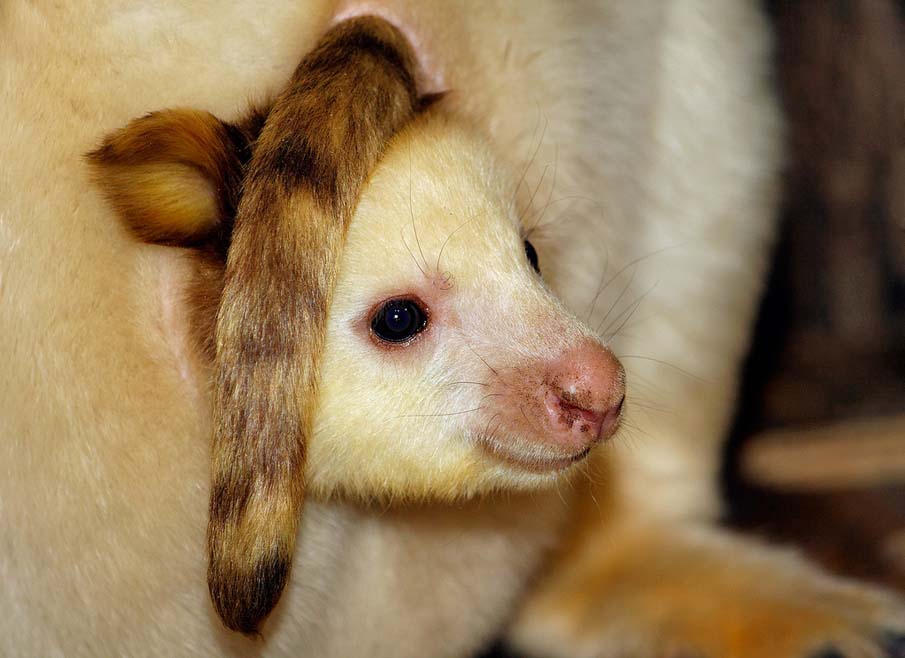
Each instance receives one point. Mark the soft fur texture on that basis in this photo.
(660, 125)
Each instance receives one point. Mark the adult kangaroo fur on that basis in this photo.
(635, 145)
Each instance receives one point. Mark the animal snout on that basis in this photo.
(583, 397)
(547, 414)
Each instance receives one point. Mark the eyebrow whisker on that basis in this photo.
(536, 190)
(411, 253)
(543, 212)
(540, 115)
(412, 213)
(456, 230)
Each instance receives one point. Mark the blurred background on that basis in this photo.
(817, 455)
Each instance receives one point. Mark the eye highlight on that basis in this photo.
(531, 252)
(398, 320)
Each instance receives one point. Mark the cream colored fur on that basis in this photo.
(391, 423)
(662, 130)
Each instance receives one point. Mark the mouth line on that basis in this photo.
(528, 463)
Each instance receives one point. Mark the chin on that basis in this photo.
(539, 461)
(479, 465)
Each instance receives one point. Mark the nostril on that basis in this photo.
(602, 424)
(583, 395)
(611, 419)
(578, 412)
(568, 414)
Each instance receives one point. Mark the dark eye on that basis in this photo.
(532, 256)
(398, 320)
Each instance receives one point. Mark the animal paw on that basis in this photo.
(702, 593)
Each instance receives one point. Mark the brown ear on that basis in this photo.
(318, 144)
(173, 176)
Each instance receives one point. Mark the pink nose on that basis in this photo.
(585, 390)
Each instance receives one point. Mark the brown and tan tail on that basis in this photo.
(174, 177)
(318, 144)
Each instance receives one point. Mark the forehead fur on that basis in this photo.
(437, 200)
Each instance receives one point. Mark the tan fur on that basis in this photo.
(663, 131)
(690, 590)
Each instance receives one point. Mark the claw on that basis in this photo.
(498, 650)
(828, 653)
(894, 645)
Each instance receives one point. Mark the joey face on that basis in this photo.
(441, 368)
(449, 368)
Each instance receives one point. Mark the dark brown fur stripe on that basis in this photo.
(318, 144)
(260, 592)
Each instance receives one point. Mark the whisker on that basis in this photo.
(475, 383)
(540, 142)
(653, 408)
(530, 422)
(629, 422)
(637, 322)
(559, 493)
(483, 360)
(593, 483)
(634, 307)
(621, 270)
(618, 299)
(412, 211)
(456, 230)
(601, 287)
(664, 363)
(487, 433)
(451, 413)
(536, 189)
(571, 197)
(550, 193)
(454, 413)
(411, 253)
(640, 383)
(579, 197)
